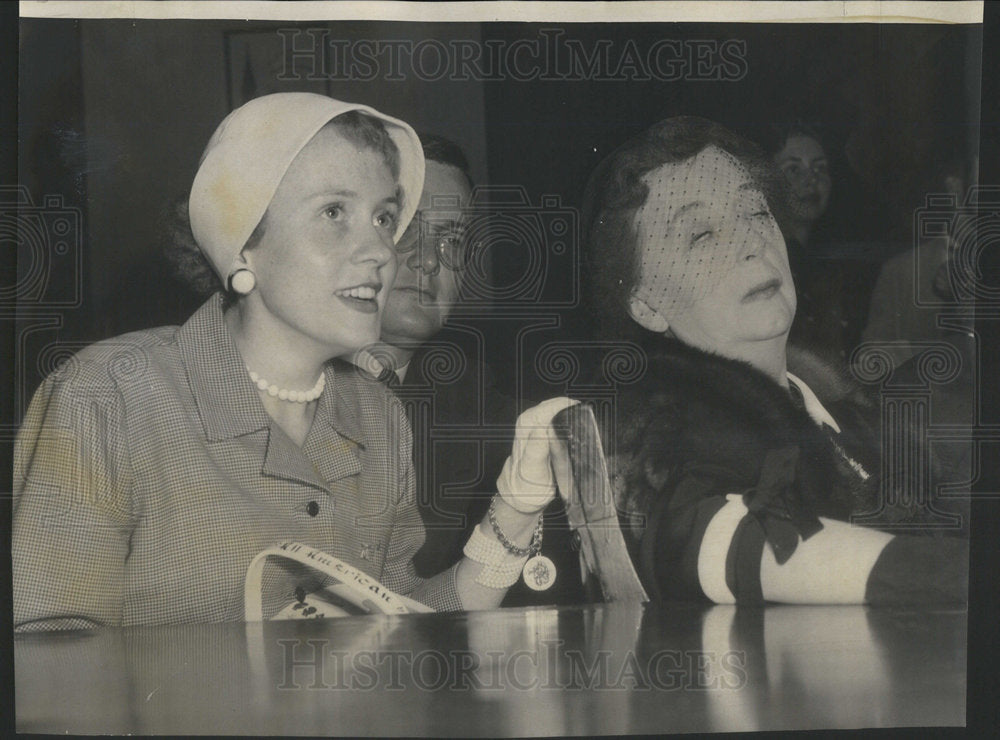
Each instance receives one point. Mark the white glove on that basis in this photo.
(526, 481)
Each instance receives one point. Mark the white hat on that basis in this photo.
(251, 150)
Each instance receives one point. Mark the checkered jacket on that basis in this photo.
(147, 475)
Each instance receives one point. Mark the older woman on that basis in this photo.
(736, 480)
(153, 468)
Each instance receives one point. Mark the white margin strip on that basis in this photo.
(731, 11)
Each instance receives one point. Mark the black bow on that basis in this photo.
(775, 504)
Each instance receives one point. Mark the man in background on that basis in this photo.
(462, 424)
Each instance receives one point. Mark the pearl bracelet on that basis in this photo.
(500, 569)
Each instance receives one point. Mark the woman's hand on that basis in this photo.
(526, 482)
(526, 485)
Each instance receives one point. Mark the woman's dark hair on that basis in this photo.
(182, 251)
(445, 151)
(775, 136)
(616, 190)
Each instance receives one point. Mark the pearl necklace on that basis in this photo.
(284, 394)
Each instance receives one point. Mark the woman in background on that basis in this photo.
(832, 285)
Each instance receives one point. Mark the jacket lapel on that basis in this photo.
(226, 398)
(336, 442)
(366, 416)
(284, 459)
(229, 407)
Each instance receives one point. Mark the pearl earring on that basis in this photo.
(243, 281)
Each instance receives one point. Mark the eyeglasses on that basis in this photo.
(447, 236)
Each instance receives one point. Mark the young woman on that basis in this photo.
(153, 467)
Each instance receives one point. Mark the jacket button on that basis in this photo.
(312, 508)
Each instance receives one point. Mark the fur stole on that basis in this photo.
(695, 414)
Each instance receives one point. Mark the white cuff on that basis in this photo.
(715, 547)
(831, 567)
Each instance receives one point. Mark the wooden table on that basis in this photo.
(603, 669)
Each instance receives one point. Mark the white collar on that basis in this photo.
(813, 407)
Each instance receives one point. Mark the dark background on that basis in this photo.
(114, 115)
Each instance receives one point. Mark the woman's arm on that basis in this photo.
(839, 564)
(518, 528)
(72, 512)
(831, 567)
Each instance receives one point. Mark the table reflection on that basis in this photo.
(604, 669)
(832, 666)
